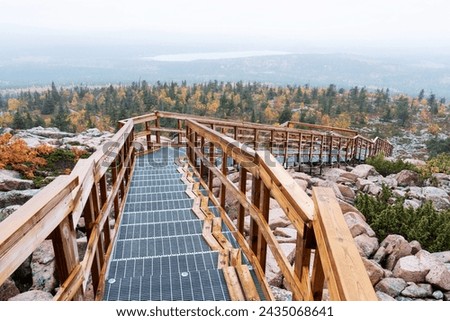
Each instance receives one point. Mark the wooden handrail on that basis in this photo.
(320, 224)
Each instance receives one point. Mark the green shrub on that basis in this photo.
(424, 224)
(437, 164)
(438, 146)
(386, 167)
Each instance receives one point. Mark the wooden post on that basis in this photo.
(202, 165)
(64, 241)
(300, 144)
(255, 140)
(330, 154)
(114, 180)
(262, 243)
(285, 154)
(148, 136)
(158, 133)
(212, 161)
(271, 141)
(256, 200)
(180, 132)
(242, 187)
(224, 172)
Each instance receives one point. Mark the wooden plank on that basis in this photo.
(352, 280)
(207, 235)
(64, 240)
(17, 246)
(233, 285)
(18, 223)
(248, 285)
(217, 233)
(235, 257)
(224, 258)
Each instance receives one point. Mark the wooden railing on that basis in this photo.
(291, 146)
(97, 188)
(325, 250)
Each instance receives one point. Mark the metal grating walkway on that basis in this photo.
(160, 253)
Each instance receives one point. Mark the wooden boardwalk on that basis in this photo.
(174, 237)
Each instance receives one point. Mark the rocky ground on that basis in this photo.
(398, 269)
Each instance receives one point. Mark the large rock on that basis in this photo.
(384, 297)
(440, 203)
(396, 247)
(357, 225)
(285, 234)
(347, 177)
(391, 286)
(277, 218)
(8, 290)
(368, 187)
(410, 269)
(444, 257)
(418, 290)
(374, 270)
(43, 267)
(333, 174)
(364, 170)
(438, 274)
(16, 197)
(10, 180)
(347, 192)
(433, 192)
(333, 186)
(407, 178)
(415, 162)
(273, 273)
(34, 295)
(346, 207)
(366, 245)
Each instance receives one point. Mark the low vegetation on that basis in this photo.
(37, 163)
(424, 224)
(386, 167)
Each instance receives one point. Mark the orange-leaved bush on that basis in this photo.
(17, 155)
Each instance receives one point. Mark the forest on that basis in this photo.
(80, 107)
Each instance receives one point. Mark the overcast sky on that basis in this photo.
(329, 24)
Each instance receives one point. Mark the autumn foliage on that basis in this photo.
(15, 154)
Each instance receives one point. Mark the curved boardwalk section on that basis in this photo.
(160, 252)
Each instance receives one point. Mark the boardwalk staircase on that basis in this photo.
(158, 225)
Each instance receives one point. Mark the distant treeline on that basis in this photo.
(81, 107)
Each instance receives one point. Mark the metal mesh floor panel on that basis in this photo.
(158, 216)
(206, 285)
(159, 205)
(156, 189)
(163, 265)
(158, 197)
(139, 231)
(138, 248)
